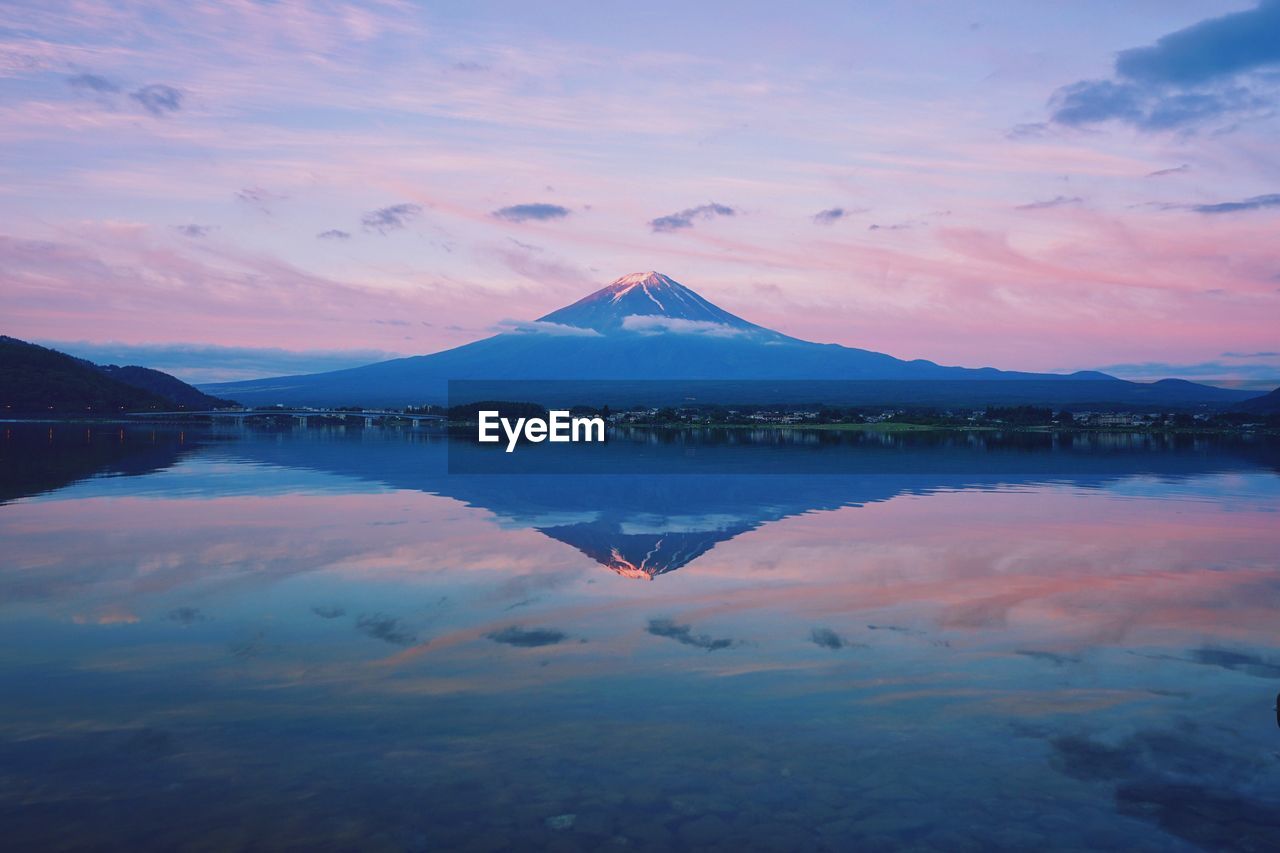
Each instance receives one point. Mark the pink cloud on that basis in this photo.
(348, 107)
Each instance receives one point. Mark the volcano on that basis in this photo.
(651, 301)
(647, 327)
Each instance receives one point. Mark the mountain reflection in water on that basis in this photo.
(645, 525)
(325, 639)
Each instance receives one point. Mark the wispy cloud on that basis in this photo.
(391, 218)
(829, 639)
(1048, 657)
(380, 626)
(1209, 50)
(1202, 73)
(303, 103)
(527, 638)
(1257, 202)
(194, 230)
(187, 616)
(1028, 130)
(1220, 808)
(656, 323)
(830, 216)
(93, 83)
(259, 197)
(684, 635)
(1175, 170)
(333, 234)
(525, 212)
(207, 363)
(1246, 662)
(542, 327)
(1056, 201)
(686, 217)
(534, 263)
(158, 99)
(1236, 661)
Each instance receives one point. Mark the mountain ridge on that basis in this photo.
(36, 380)
(163, 384)
(647, 326)
(1267, 404)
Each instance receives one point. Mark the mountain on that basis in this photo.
(164, 385)
(1267, 404)
(641, 555)
(651, 301)
(35, 380)
(646, 326)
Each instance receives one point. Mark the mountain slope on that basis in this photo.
(647, 326)
(650, 301)
(35, 380)
(161, 383)
(1267, 404)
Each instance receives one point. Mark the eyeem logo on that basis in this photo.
(560, 426)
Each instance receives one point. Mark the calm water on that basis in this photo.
(322, 639)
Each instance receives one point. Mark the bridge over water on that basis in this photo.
(301, 415)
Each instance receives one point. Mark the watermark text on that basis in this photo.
(558, 426)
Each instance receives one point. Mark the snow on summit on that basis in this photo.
(652, 297)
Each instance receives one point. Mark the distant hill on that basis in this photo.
(169, 387)
(1267, 404)
(35, 380)
(647, 327)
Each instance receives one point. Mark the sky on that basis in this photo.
(236, 189)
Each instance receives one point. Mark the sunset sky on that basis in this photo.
(237, 189)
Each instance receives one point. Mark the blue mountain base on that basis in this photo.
(647, 327)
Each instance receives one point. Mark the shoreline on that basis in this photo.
(877, 427)
(897, 426)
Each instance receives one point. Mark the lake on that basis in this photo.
(381, 639)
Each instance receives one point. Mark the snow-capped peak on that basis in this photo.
(650, 277)
(645, 295)
(648, 283)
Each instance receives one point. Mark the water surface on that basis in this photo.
(323, 639)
